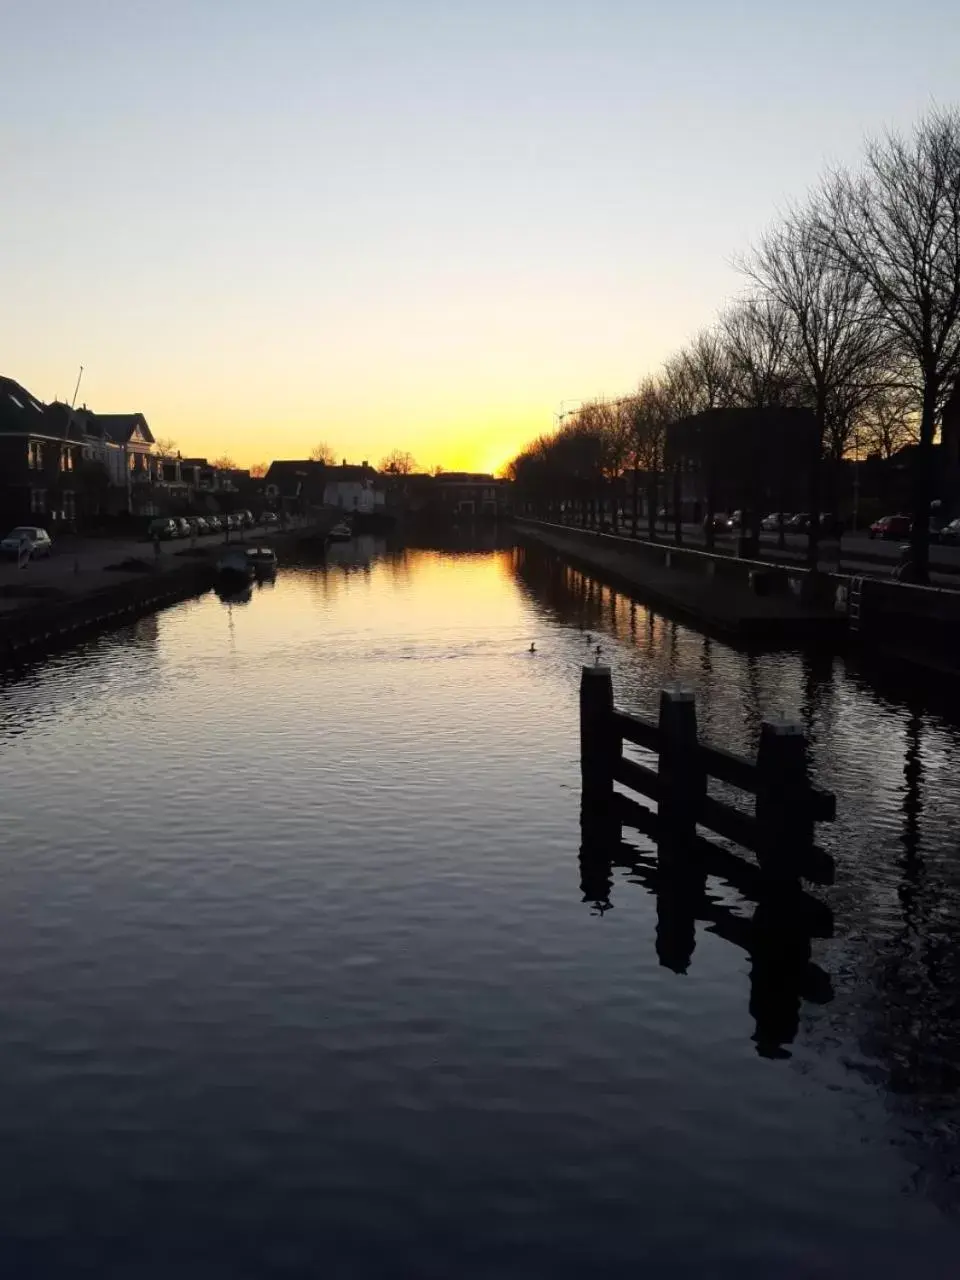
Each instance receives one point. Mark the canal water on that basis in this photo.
(301, 972)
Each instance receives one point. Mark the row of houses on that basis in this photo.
(360, 489)
(61, 466)
(67, 467)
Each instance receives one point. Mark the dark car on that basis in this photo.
(800, 523)
(164, 528)
(183, 526)
(199, 525)
(213, 524)
(950, 534)
(891, 527)
(269, 519)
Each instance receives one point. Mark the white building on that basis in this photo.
(352, 489)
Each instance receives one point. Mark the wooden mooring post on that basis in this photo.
(779, 831)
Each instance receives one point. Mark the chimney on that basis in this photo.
(365, 464)
(344, 462)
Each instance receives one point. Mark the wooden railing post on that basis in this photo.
(784, 799)
(682, 779)
(600, 741)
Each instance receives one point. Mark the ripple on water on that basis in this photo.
(297, 964)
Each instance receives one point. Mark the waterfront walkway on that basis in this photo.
(724, 604)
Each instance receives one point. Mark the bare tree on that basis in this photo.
(322, 452)
(837, 344)
(165, 446)
(648, 414)
(398, 463)
(758, 336)
(225, 463)
(259, 470)
(889, 420)
(707, 364)
(897, 223)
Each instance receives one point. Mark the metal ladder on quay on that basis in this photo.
(854, 600)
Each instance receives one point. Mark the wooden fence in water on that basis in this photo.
(779, 831)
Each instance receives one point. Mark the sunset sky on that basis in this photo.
(409, 223)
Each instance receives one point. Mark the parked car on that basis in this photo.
(270, 520)
(234, 522)
(164, 528)
(198, 525)
(720, 521)
(735, 520)
(27, 537)
(771, 523)
(246, 519)
(890, 527)
(213, 524)
(184, 528)
(799, 523)
(950, 534)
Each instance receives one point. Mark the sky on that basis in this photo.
(413, 224)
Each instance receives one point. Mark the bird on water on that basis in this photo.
(533, 648)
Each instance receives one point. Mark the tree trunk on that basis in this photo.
(677, 512)
(813, 534)
(652, 504)
(923, 485)
(636, 499)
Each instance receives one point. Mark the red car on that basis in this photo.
(891, 527)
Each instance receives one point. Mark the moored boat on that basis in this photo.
(235, 566)
(340, 532)
(264, 561)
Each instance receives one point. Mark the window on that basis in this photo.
(132, 461)
(66, 459)
(69, 506)
(35, 455)
(38, 501)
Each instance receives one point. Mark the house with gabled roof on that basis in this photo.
(40, 449)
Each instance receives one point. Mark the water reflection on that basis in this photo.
(889, 753)
(292, 954)
(694, 885)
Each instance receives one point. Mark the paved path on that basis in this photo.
(79, 565)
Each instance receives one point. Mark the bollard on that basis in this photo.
(600, 743)
(683, 780)
(784, 809)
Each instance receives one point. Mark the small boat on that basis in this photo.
(264, 561)
(340, 532)
(235, 566)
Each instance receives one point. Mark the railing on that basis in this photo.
(787, 806)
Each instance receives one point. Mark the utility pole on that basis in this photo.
(73, 402)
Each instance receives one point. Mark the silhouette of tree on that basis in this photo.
(836, 342)
(259, 470)
(398, 463)
(225, 463)
(897, 224)
(165, 446)
(322, 452)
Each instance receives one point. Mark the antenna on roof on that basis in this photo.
(76, 388)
